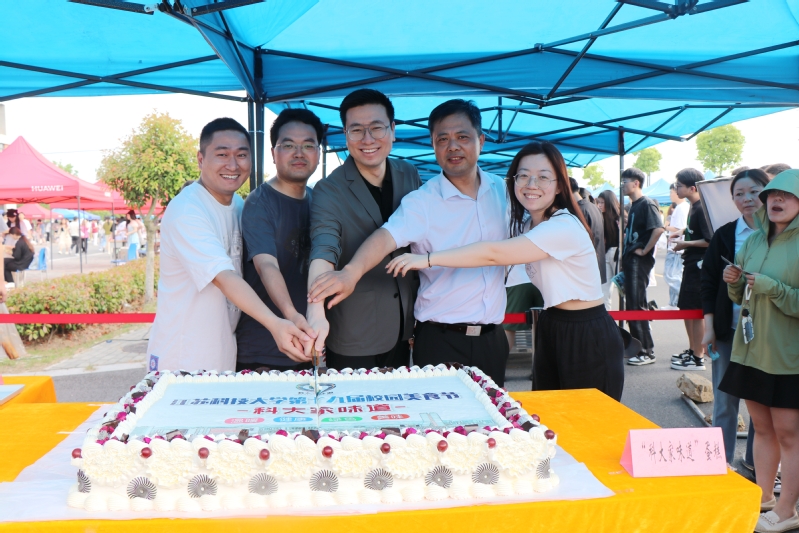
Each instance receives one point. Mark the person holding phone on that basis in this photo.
(720, 313)
(764, 366)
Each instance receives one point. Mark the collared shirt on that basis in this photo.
(742, 232)
(439, 217)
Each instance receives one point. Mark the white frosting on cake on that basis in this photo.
(276, 470)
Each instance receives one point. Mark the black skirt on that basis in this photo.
(578, 350)
(771, 390)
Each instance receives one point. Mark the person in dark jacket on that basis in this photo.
(595, 221)
(21, 254)
(721, 315)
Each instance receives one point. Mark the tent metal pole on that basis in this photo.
(259, 140)
(114, 231)
(51, 237)
(253, 155)
(621, 216)
(80, 239)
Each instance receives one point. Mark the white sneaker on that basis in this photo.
(641, 360)
(683, 355)
(691, 363)
(770, 522)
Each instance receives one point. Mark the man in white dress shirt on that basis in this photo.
(458, 311)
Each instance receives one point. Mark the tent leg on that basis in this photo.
(51, 238)
(621, 220)
(259, 141)
(253, 155)
(113, 232)
(80, 239)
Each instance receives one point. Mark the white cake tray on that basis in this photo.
(40, 491)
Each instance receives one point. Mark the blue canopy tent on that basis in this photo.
(659, 191)
(605, 187)
(617, 77)
(69, 214)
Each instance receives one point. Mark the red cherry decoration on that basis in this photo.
(549, 434)
(203, 453)
(442, 445)
(536, 418)
(385, 447)
(146, 452)
(76, 453)
(327, 451)
(492, 442)
(264, 454)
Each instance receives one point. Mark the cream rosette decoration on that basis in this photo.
(411, 457)
(109, 464)
(230, 463)
(463, 452)
(171, 463)
(291, 458)
(516, 453)
(351, 458)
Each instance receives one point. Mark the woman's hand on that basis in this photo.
(750, 280)
(709, 338)
(406, 262)
(731, 274)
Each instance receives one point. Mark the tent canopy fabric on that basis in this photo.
(659, 191)
(36, 212)
(653, 69)
(26, 175)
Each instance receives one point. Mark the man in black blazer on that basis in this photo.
(371, 327)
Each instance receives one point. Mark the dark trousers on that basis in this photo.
(578, 350)
(75, 244)
(399, 355)
(434, 344)
(11, 265)
(636, 279)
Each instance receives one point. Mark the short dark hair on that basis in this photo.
(296, 115)
(365, 97)
(453, 107)
(776, 168)
(573, 184)
(754, 174)
(689, 177)
(221, 124)
(636, 174)
(738, 170)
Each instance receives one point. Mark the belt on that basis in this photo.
(470, 330)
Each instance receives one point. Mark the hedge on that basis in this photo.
(98, 292)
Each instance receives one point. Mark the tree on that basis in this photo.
(68, 168)
(647, 161)
(149, 167)
(593, 175)
(720, 148)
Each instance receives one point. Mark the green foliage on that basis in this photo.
(244, 190)
(68, 168)
(98, 292)
(593, 175)
(152, 163)
(720, 149)
(647, 160)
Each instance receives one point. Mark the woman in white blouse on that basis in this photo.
(577, 343)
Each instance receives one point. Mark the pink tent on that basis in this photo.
(28, 176)
(35, 211)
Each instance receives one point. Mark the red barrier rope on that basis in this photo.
(694, 314)
(146, 318)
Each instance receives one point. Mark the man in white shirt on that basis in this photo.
(458, 311)
(200, 290)
(672, 269)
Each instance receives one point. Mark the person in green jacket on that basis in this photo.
(764, 367)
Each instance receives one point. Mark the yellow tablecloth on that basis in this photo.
(591, 426)
(38, 389)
